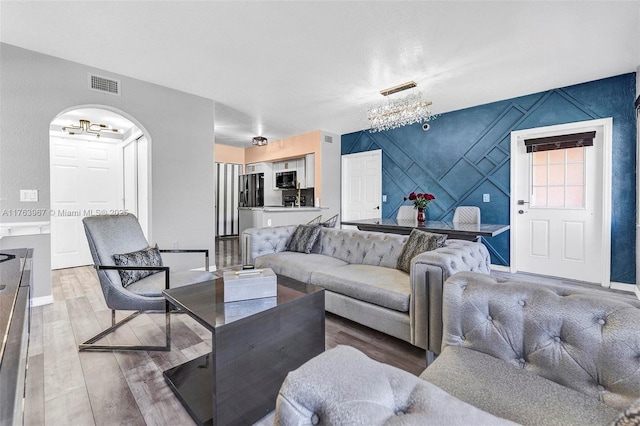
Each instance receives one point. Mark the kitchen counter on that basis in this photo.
(283, 209)
(260, 217)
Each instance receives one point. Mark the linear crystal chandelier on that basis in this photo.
(395, 113)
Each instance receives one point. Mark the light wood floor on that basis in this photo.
(65, 387)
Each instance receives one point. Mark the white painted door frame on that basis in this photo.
(607, 126)
(345, 192)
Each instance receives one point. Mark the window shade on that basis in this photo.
(550, 143)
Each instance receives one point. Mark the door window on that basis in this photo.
(557, 179)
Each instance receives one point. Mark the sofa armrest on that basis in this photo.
(259, 241)
(429, 270)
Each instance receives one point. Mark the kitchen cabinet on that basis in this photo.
(304, 167)
(257, 168)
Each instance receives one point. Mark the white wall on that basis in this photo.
(34, 88)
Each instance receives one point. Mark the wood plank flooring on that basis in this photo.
(65, 387)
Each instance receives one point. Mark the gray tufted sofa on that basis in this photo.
(528, 353)
(539, 354)
(358, 271)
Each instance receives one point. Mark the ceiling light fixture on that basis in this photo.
(396, 113)
(259, 141)
(86, 127)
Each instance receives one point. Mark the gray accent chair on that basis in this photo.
(534, 354)
(118, 234)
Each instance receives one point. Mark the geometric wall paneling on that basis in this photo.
(466, 153)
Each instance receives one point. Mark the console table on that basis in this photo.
(460, 231)
(255, 343)
(15, 281)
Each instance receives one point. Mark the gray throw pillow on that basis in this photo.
(303, 238)
(418, 242)
(147, 257)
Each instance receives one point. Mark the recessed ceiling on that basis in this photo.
(279, 69)
(95, 116)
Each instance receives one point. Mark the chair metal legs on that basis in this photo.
(90, 344)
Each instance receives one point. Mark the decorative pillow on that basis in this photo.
(303, 238)
(147, 257)
(630, 416)
(418, 242)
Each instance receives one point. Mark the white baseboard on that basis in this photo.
(624, 287)
(39, 301)
(500, 268)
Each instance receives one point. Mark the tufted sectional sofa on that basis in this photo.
(513, 351)
(358, 271)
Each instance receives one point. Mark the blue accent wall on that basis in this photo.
(466, 153)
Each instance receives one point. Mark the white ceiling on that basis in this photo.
(283, 68)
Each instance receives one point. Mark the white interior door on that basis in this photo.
(86, 179)
(560, 206)
(142, 187)
(130, 176)
(135, 180)
(362, 185)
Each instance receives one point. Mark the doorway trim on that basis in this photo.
(606, 124)
(143, 131)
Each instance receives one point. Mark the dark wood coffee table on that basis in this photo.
(254, 345)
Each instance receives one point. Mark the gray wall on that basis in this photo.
(35, 88)
(331, 165)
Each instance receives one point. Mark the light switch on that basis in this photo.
(486, 198)
(28, 195)
(384, 198)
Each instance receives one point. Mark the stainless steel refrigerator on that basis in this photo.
(252, 190)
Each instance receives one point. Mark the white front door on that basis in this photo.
(86, 179)
(362, 185)
(560, 205)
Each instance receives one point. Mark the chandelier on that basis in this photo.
(259, 141)
(396, 113)
(86, 127)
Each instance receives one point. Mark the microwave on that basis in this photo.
(286, 180)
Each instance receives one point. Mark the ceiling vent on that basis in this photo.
(104, 85)
(328, 139)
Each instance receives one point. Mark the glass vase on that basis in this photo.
(421, 215)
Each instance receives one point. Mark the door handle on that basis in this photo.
(522, 202)
(376, 208)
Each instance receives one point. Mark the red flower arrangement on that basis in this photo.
(420, 200)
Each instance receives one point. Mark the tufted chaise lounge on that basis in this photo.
(529, 353)
(358, 271)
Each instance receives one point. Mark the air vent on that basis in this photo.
(328, 139)
(104, 85)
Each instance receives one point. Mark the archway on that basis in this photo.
(94, 169)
